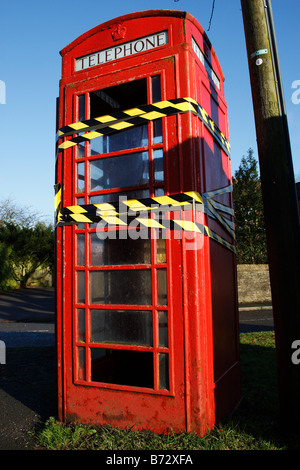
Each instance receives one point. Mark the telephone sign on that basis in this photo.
(124, 50)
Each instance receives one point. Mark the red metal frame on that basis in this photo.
(203, 363)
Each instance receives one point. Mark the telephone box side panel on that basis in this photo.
(196, 270)
(64, 293)
(59, 260)
(58, 265)
(214, 174)
(204, 167)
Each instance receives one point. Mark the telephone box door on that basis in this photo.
(123, 363)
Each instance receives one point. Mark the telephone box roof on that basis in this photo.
(142, 14)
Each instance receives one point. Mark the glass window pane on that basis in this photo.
(161, 255)
(122, 327)
(134, 137)
(114, 197)
(163, 328)
(81, 372)
(157, 131)
(81, 287)
(133, 368)
(80, 177)
(81, 324)
(119, 251)
(156, 96)
(159, 192)
(80, 249)
(81, 107)
(163, 364)
(98, 146)
(119, 172)
(156, 88)
(80, 149)
(81, 117)
(127, 287)
(162, 286)
(158, 165)
(80, 202)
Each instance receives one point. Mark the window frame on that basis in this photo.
(153, 266)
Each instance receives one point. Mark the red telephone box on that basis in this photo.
(147, 323)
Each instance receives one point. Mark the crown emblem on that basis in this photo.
(119, 32)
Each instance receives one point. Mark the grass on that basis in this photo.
(254, 426)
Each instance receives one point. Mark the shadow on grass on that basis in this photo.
(259, 413)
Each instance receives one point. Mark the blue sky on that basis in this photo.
(33, 32)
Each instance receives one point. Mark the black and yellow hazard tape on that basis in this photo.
(119, 213)
(214, 213)
(147, 113)
(57, 201)
(215, 207)
(121, 120)
(111, 212)
(211, 234)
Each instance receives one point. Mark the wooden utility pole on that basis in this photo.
(279, 198)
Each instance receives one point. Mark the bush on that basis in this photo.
(5, 270)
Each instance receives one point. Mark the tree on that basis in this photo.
(5, 270)
(26, 243)
(29, 249)
(249, 214)
(10, 213)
